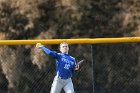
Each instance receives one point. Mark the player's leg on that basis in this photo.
(69, 87)
(56, 86)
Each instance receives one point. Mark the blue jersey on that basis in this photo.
(65, 64)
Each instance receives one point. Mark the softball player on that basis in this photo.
(65, 67)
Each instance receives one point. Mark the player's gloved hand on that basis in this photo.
(77, 68)
(79, 65)
(39, 45)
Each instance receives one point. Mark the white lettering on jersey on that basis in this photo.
(67, 61)
(67, 66)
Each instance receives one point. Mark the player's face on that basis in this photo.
(64, 48)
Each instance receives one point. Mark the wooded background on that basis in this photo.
(23, 69)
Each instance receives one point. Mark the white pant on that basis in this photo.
(58, 84)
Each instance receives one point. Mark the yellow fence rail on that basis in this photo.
(71, 41)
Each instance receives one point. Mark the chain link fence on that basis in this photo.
(109, 68)
(117, 68)
(25, 69)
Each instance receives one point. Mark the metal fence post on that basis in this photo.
(93, 50)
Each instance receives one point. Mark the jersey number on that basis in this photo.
(67, 66)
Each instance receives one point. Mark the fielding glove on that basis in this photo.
(79, 65)
(39, 45)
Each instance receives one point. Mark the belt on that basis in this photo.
(63, 77)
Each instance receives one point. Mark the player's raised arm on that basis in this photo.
(46, 50)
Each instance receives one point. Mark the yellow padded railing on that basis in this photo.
(71, 41)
